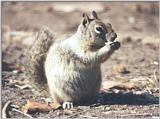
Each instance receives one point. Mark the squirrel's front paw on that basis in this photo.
(115, 45)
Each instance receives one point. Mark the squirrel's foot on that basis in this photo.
(67, 105)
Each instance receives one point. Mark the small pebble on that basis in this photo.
(116, 90)
(15, 71)
(155, 63)
(131, 20)
(106, 108)
(138, 92)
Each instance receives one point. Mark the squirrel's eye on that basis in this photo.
(98, 29)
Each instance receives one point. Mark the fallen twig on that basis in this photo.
(149, 90)
(26, 86)
(6, 109)
(156, 80)
(15, 106)
(13, 109)
(88, 117)
(10, 107)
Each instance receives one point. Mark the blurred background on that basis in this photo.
(138, 19)
(136, 62)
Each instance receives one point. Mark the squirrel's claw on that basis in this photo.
(67, 105)
(115, 45)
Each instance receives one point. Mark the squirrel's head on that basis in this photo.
(94, 32)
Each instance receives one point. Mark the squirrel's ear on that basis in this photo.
(94, 15)
(85, 19)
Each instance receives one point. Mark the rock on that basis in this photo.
(131, 20)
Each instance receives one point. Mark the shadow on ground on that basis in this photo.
(128, 98)
(123, 99)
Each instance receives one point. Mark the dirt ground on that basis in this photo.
(136, 24)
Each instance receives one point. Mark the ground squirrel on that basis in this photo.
(72, 66)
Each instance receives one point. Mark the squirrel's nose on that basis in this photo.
(113, 36)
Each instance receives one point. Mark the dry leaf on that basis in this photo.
(35, 106)
(125, 86)
(118, 85)
(109, 84)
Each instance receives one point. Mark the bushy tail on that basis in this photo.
(36, 56)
